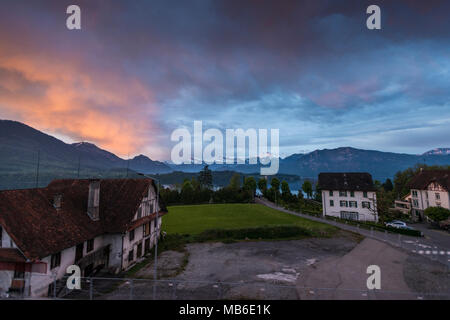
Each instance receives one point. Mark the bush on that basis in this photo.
(437, 214)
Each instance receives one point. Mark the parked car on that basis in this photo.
(398, 224)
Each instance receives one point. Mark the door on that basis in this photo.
(88, 270)
(147, 245)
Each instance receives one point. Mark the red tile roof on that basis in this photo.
(421, 180)
(11, 255)
(39, 229)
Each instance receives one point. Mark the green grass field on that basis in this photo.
(195, 219)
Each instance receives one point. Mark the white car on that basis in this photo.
(398, 224)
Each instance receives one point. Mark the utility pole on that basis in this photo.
(78, 170)
(37, 168)
(128, 163)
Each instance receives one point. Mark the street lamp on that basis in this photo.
(157, 229)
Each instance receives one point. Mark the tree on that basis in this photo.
(262, 186)
(274, 190)
(275, 184)
(307, 188)
(250, 185)
(437, 214)
(286, 194)
(318, 193)
(205, 178)
(388, 186)
(187, 192)
(235, 182)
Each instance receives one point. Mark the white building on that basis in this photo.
(348, 196)
(429, 188)
(94, 224)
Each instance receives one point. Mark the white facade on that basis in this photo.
(353, 205)
(6, 276)
(140, 240)
(5, 240)
(434, 195)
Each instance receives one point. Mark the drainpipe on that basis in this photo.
(121, 255)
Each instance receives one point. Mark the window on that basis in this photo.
(438, 204)
(366, 204)
(132, 235)
(55, 260)
(349, 215)
(342, 193)
(139, 250)
(19, 272)
(438, 196)
(365, 194)
(331, 203)
(130, 256)
(343, 203)
(352, 193)
(146, 229)
(331, 193)
(415, 203)
(90, 245)
(426, 194)
(139, 213)
(1, 236)
(353, 204)
(414, 193)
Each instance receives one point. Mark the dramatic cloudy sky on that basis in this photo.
(140, 69)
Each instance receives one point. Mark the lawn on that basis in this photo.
(194, 219)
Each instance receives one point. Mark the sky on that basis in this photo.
(138, 70)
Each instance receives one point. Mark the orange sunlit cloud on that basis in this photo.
(71, 97)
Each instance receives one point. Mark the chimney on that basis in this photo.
(57, 201)
(94, 200)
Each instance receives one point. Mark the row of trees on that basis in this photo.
(200, 190)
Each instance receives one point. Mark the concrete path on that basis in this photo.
(345, 278)
(434, 248)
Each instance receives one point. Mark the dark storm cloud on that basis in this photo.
(308, 67)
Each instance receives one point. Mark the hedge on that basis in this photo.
(266, 232)
(377, 226)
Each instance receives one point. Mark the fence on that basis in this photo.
(100, 288)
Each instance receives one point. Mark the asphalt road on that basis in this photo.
(435, 244)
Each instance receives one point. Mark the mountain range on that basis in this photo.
(21, 144)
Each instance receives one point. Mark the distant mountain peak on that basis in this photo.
(84, 144)
(141, 157)
(438, 151)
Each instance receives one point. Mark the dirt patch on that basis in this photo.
(241, 270)
(170, 264)
(255, 270)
